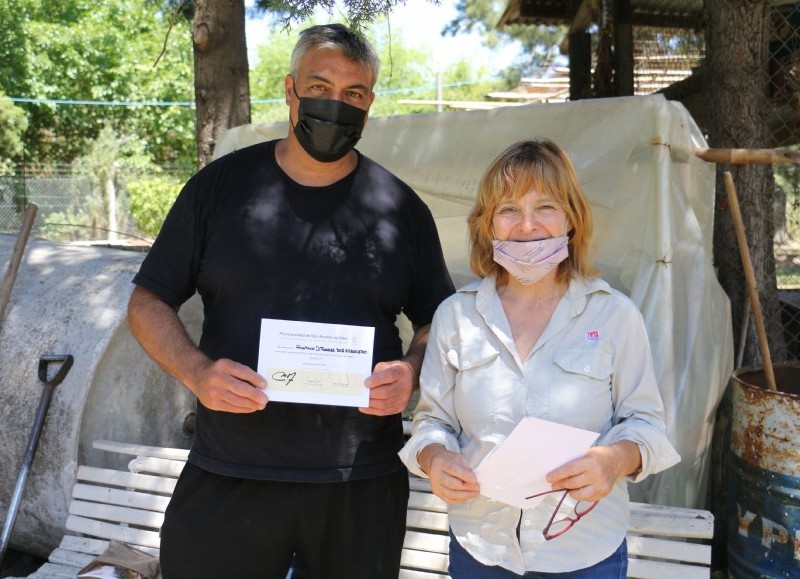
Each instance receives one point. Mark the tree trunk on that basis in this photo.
(221, 82)
(738, 108)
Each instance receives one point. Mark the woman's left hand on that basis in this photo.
(592, 476)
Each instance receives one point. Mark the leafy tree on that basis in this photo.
(539, 44)
(407, 72)
(12, 126)
(111, 163)
(359, 13)
(77, 50)
(150, 200)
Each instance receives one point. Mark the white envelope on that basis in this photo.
(516, 469)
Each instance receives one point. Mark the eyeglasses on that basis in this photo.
(557, 527)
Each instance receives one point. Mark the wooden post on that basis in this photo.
(752, 290)
(623, 47)
(16, 257)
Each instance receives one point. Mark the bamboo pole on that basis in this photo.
(731, 156)
(744, 156)
(755, 303)
(16, 257)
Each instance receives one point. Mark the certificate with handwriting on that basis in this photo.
(315, 363)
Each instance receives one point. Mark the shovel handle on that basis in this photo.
(66, 361)
(33, 442)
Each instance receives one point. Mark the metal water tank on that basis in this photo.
(764, 482)
(70, 299)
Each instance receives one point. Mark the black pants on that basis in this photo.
(219, 527)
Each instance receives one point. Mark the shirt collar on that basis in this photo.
(577, 293)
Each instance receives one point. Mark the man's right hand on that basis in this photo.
(222, 385)
(228, 386)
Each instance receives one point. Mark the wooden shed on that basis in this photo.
(636, 47)
(601, 45)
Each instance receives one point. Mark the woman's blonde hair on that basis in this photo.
(539, 165)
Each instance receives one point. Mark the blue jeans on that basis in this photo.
(464, 566)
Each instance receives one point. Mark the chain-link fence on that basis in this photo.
(73, 206)
(69, 205)
(669, 48)
(784, 124)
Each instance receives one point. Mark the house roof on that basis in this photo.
(655, 13)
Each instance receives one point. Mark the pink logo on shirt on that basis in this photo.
(593, 335)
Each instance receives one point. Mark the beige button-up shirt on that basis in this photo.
(591, 368)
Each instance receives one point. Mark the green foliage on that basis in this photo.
(121, 160)
(12, 126)
(407, 73)
(539, 44)
(359, 13)
(150, 200)
(77, 50)
(266, 76)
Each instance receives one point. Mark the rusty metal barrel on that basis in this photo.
(70, 299)
(764, 483)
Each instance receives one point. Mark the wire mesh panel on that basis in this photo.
(784, 124)
(70, 205)
(669, 49)
(669, 43)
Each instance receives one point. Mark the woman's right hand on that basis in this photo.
(452, 479)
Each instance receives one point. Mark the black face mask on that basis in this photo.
(327, 129)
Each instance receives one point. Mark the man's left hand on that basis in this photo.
(390, 387)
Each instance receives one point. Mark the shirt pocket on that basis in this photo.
(581, 396)
(476, 367)
(473, 356)
(593, 363)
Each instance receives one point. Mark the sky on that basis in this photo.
(421, 23)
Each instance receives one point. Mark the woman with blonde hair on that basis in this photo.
(539, 335)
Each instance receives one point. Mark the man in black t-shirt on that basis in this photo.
(306, 229)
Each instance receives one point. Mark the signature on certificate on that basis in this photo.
(284, 377)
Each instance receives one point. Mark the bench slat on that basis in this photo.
(159, 466)
(419, 484)
(134, 537)
(427, 520)
(422, 501)
(649, 519)
(132, 499)
(54, 571)
(415, 574)
(434, 543)
(86, 545)
(115, 514)
(128, 480)
(644, 569)
(94, 547)
(424, 560)
(141, 450)
(672, 550)
(70, 558)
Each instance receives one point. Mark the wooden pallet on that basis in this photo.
(128, 506)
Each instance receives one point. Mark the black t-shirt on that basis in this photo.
(256, 244)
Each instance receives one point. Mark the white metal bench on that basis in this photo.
(128, 506)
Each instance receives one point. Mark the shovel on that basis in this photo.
(33, 440)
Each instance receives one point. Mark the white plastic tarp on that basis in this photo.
(652, 200)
